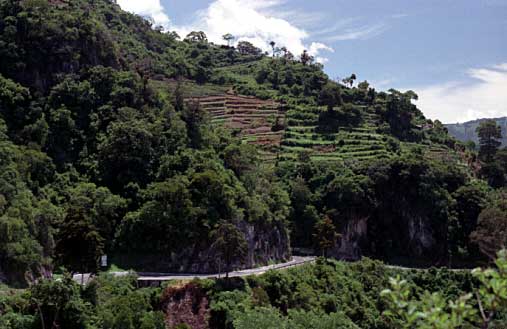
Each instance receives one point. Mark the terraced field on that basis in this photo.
(254, 119)
(357, 143)
(261, 122)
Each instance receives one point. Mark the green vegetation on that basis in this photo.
(105, 303)
(339, 295)
(119, 139)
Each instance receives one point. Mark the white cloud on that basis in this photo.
(316, 48)
(147, 8)
(383, 83)
(484, 97)
(254, 21)
(359, 33)
(399, 15)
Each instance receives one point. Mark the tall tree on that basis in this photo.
(196, 36)
(306, 58)
(325, 235)
(247, 48)
(330, 96)
(490, 135)
(79, 244)
(273, 44)
(229, 244)
(229, 38)
(491, 232)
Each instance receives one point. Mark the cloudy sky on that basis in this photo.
(453, 53)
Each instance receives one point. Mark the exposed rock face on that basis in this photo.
(421, 238)
(414, 234)
(352, 237)
(186, 305)
(265, 243)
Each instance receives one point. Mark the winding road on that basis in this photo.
(147, 278)
(161, 277)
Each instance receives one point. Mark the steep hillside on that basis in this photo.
(467, 131)
(120, 139)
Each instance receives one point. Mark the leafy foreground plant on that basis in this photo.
(432, 310)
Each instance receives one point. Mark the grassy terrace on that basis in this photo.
(255, 117)
(360, 143)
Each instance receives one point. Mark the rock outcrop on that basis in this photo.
(186, 305)
(266, 243)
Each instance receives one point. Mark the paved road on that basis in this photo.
(159, 277)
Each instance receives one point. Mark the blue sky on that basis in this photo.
(453, 53)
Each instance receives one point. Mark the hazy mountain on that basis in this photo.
(467, 131)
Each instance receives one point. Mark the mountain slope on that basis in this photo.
(467, 131)
(133, 143)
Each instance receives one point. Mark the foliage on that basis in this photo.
(325, 235)
(489, 139)
(101, 151)
(229, 244)
(432, 310)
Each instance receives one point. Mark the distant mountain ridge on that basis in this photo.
(467, 131)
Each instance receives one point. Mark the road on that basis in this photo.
(160, 277)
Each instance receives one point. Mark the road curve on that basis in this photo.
(160, 277)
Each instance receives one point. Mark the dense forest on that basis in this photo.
(173, 154)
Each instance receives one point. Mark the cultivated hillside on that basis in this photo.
(120, 139)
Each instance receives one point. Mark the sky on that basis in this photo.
(452, 53)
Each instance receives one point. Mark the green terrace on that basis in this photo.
(361, 142)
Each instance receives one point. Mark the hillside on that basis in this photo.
(467, 131)
(173, 155)
(131, 142)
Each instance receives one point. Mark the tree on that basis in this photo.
(273, 44)
(430, 311)
(229, 245)
(494, 173)
(350, 80)
(241, 158)
(168, 211)
(261, 317)
(127, 145)
(179, 100)
(501, 158)
(196, 36)
(325, 235)
(470, 201)
(59, 304)
(330, 95)
(490, 135)
(433, 311)
(491, 232)
(79, 244)
(492, 293)
(195, 117)
(247, 48)
(229, 38)
(306, 58)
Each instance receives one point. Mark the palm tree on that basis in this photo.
(273, 44)
(229, 38)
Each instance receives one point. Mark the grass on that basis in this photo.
(362, 143)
